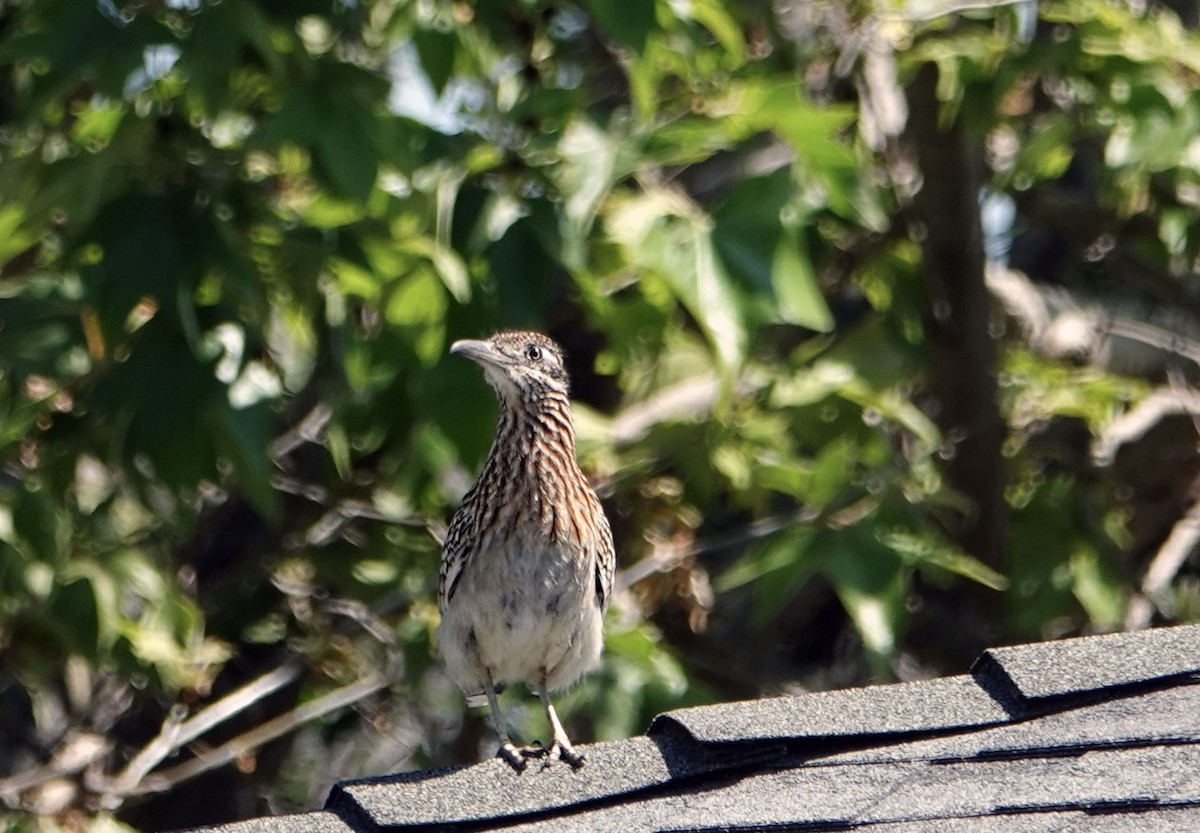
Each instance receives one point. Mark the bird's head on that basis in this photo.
(521, 366)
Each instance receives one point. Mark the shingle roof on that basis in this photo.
(1100, 733)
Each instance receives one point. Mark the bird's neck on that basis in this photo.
(538, 425)
(549, 417)
(533, 464)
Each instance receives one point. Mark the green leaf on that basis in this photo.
(871, 583)
(813, 131)
(629, 23)
(161, 384)
(220, 35)
(776, 554)
(75, 44)
(436, 50)
(818, 382)
(796, 287)
(98, 123)
(778, 568)
(747, 227)
(142, 258)
(40, 525)
(75, 613)
(732, 461)
(1041, 588)
(446, 262)
(727, 31)
(417, 307)
(922, 549)
(83, 609)
(825, 163)
(584, 177)
(339, 450)
(834, 466)
(241, 436)
(299, 120)
(1099, 587)
(875, 616)
(345, 153)
(755, 244)
(662, 232)
(13, 239)
(375, 571)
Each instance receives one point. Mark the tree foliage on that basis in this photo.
(238, 237)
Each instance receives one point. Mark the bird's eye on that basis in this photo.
(533, 353)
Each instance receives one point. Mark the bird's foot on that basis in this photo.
(561, 746)
(518, 756)
(566, 752)
(512, 756)
(534, 750)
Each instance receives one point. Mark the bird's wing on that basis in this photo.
(606, 562)
(455, 550)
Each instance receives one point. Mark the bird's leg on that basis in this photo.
(561, 742)
(507, 751)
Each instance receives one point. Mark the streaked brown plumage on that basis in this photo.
(527, 565)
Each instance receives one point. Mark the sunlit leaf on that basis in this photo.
(584, 177)
(925, 550)
(447, 263)
(1099, 588)
(871, 584)
(662, 233)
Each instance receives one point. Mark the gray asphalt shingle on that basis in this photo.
(946, 703)
(317, 822)
(1158, 819)
(1085, 734)
(1168, 716)
(491, 790)
(959, 777)
(1072, 666)
(972, 788)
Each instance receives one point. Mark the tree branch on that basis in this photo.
(177, 732)
(262, 734)
(944, 216)
(1181, 543)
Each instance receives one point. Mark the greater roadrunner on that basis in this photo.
(527, 566)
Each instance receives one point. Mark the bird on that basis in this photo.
(527, 563)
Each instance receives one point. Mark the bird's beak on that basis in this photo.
(481, 352)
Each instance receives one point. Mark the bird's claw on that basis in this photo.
(556, 750)
(512, 756)
(566, 752)
(518, 756)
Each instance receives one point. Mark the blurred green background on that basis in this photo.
(882, 319)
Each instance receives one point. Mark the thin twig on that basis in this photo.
(363, 616)
(1152, 336)
(307, 430)
(265, 733)
(1183, 392)
(690, 399)
(76, 754)
(176, 733)
(670, 557)
(1180, 543)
